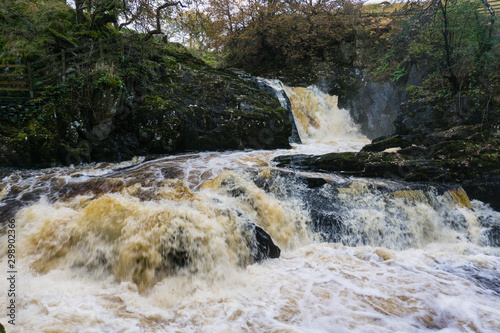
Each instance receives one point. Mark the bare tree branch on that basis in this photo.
(158, 17)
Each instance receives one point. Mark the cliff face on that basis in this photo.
(373, 105)
(164, 102)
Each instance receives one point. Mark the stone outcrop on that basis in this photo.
(165, 102)
(465, 155)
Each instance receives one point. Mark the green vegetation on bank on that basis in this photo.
(35, 29)
(456, 43)
(154, 97)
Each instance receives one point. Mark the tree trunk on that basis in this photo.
(448, 49)
(79, 4)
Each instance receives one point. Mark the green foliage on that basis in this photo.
(106, 77)
(467, 35)
(380, 73)
(434, 89)
(380, 48)
(28, 28)
(34, 29)
(210, 58)
(453, 39)
(399, 73)
(286, 34)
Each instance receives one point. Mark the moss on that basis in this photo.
(159, 126)
(174, 101)
(451, 149)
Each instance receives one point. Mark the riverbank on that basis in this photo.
(466, 155)
(162, 101)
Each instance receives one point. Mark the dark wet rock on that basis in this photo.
(315, 182)
(420, 119)
(481, 276)
(486, 189)
(351, 163)
(9, 209)
(375, 105)
(466, 155)
(383, 143)
(176, 259)
(264, 247)
(491, 229)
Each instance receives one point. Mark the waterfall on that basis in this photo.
(169, 244)
(315, 116)
(318, 117)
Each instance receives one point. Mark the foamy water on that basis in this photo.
(316, 288)
(164, 245)
(320, 120)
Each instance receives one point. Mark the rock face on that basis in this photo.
(375, 108)
(373, 105)
(275, 88)
(209, 110)
(164, 102)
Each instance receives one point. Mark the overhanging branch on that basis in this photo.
(158, 16)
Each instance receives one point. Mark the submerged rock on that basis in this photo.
(398, 215)
(175, 254)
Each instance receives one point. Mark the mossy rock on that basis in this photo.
(451, 149)
(33, 146)
(158, 127)
(390, 142)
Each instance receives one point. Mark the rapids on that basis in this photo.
(164, 244)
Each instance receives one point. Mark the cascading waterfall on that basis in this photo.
(318, 117)
(169, 245)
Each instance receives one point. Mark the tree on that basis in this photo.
(147, 15)
(272, 33)
(455, 40)
(193, 25)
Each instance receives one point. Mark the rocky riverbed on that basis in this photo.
(467, 155)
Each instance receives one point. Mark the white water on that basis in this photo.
(94, 243)
(319, 119)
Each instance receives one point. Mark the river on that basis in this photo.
(162, 244)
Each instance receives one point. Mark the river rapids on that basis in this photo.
(164, 244)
